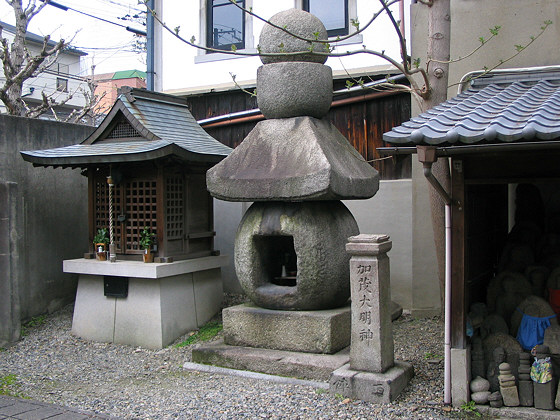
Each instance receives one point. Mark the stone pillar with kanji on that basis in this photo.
(372, 374)
(372, 334)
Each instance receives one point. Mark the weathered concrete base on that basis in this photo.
(326, 331)
(372, 387)
(157, 309)
(317, 367)
(461, 374)
(528, 413)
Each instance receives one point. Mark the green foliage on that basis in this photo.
(233, 48)
(430, 355)
(9, 386)
(205, 333)
(495, 30)
(146, 238)
(416, 63)
(35, 322)
(320, 391)
(355, 23)
(470, 408)
(101, 237)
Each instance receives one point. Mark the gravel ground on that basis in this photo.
(51, 365)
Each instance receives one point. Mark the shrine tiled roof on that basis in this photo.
(502, 108)
(157, 125)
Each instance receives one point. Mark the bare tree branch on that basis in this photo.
(20, 64)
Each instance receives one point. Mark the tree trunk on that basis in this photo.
(12, 98)
(439, 31)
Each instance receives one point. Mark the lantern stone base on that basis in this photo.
(370, 386)
(300, 344)
(163, 301)
(326, 331)
(318, 367)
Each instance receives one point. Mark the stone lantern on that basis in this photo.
(296, 167)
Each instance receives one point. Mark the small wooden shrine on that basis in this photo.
(146, 166)
(157, 156)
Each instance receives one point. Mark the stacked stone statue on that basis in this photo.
(507, 386)
(480, 390)
(525, 382)
(296, 167)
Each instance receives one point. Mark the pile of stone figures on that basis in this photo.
(515, 335)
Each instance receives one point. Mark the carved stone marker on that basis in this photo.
(372, 333)
(372, 374)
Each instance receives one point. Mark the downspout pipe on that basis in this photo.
(150, 71)
(427, 156)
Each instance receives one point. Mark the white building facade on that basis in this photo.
(220, 24)
(59, 81)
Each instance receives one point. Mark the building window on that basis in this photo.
(226, 25)
(61, 84)
(63, 69)
(59, 68)
(333, 14)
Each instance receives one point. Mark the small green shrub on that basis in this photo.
(36, 321)
(101, 237)
(470, 408)
(9, 386)
(147, 238)
(205, 333)
(430, 355)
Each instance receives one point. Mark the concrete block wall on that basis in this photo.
(48, 220)
(9, 299)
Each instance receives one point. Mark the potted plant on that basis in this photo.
(146, 242)
(100, 241)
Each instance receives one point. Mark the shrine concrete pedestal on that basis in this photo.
(372, 374)
(146, 305)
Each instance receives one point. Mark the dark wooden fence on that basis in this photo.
(362, 116)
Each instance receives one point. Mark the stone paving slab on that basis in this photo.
(21, 409)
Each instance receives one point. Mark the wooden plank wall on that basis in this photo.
(362, 123)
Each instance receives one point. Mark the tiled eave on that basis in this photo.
(492, 111)
(163, 126)
(82, 156)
